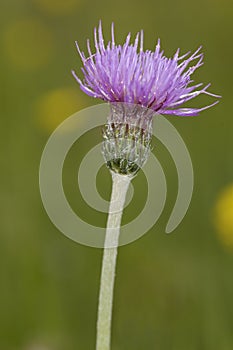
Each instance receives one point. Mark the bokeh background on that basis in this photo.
(172, 291)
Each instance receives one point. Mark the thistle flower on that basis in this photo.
(128, 74)
(137, 84)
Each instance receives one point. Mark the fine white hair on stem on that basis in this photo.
(119, 190)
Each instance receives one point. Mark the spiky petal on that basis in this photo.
(126, 73)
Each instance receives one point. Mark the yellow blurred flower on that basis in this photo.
(38, 347)
(223, 216)
(57, 7)
(55, 106)
(28, 44)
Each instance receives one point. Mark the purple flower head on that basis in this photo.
(126, 73)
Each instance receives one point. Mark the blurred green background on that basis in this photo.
(172, 291)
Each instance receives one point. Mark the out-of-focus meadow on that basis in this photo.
(172, 291)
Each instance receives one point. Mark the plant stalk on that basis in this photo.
(120, 185)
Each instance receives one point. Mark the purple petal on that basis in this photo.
(126, 73)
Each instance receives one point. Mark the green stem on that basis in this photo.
(119, 190)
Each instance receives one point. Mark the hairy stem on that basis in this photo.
(119, 190)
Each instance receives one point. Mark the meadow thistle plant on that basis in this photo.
(137, 84)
